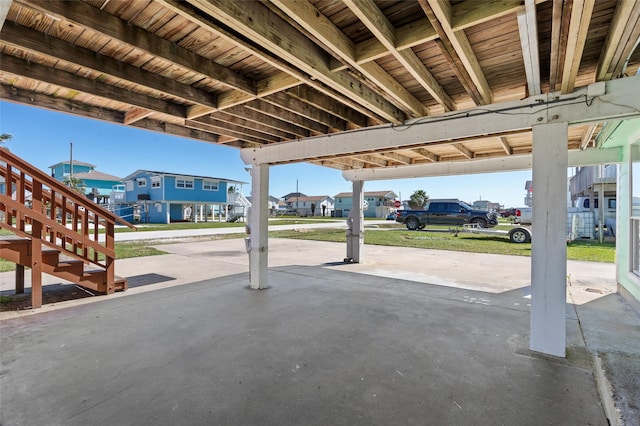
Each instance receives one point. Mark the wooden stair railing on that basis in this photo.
(43, 212)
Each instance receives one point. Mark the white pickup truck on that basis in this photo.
(524, 215)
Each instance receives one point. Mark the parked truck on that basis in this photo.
(451, 212)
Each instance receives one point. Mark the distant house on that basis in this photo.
(98, 186)
(318, 205)
(377, 203)
(486, 205)
(173, 197)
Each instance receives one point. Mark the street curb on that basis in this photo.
(606, 391)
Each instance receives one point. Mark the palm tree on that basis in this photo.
(76, 184)
(418, 199)
(4, 138)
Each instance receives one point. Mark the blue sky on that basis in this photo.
(42, 138)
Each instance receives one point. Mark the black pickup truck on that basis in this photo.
(446, 212)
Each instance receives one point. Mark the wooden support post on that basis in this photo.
(36, 248)
(549, 247)
(110, 261)
(258, 223)
(19, 279)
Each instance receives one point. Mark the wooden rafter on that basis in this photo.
(219, 127)
(299, 107)
(427, 154)
(402, 159)
(36, 42)
(244, 121)
(327, 104)
(463, 150)
(14, 65)
(528, 27)
(577, 35)
(373, 18)
(505, 145)
(274, 111)
(331, 36)
(255, 20)
(440, 11)
(622, 38)
(276, 123)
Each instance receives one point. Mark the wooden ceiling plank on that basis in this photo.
(373, 18)
(75, 82)
(587, 137)
(37, 42)
(466, 14)
(319, 26)
(111, 26)
(458, 39)
(267, 120)
(620, 41)
(578, 27)
(528, 28)
(256, 20)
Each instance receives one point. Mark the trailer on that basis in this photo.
(519, 234)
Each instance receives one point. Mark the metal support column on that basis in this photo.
(355, 224)
(258, 224)
(549, 247)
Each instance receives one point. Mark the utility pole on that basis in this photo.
(70, 161)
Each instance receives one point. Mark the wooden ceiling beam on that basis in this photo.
(136, 114)
(14, 65)
(109, 25)
(505, 145)
(219, 127)
(283, 114)
(69, 106)
(559, 35)
(280, 125)
(341, 101)
(581, 12)
(528, 28)
(373, 18)
(396, 157)
(256, 21)
(243, 121)
(39, 43)
(320, 27)
(283, 100)
(328, 104)
(371, 159)
(427, 154)
(623, 36)
(463, 150)
(410, 35)
(441, 11)
(466, 14)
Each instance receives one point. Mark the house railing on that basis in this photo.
(38, 207)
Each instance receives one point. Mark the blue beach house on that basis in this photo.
(162, 197)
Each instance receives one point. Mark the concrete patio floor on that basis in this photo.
(407, 337)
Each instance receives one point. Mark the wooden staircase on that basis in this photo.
(55, 230)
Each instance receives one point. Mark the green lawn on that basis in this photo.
(389, 234)
(443, 240)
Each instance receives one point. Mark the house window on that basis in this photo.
(142, 182)
(210, 185)
(155, 182)
(184, 183)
